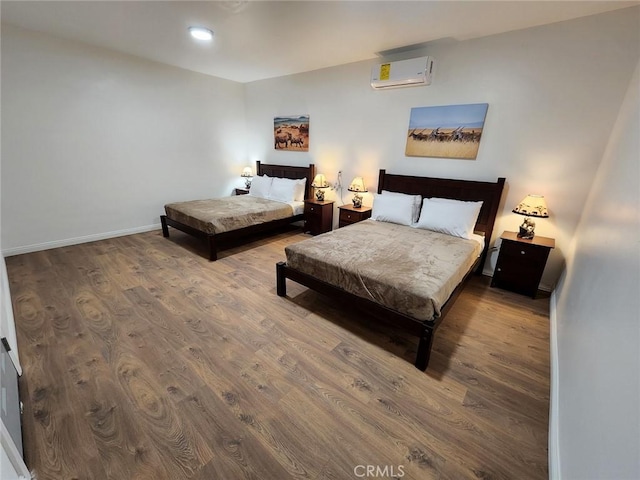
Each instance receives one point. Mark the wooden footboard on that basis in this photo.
(422, 329)
(210, 238)
(213, 240)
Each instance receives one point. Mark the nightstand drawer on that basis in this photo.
(523, 254)
(311, 210)
(349, 215)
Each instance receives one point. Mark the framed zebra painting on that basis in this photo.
(450, 131)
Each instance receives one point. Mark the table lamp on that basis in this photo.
(531, 206)
(247, 175)
(320, 183)
(357, 186)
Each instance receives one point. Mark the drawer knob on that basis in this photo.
(348, 216)
(522, 252)
(311, 209)
(499, 269)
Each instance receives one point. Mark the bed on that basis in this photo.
(404, 275)
(222, 219)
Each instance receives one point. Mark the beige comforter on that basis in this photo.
(410, 270)
(220, 215)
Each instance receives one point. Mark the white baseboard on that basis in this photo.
(77, 240)
(554, 446)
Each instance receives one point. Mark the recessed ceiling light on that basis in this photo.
(201, 33)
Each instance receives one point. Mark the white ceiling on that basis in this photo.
(263, 39)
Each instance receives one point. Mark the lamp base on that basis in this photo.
(319, 195)
(526, 229)
(523, 233)
(357, 201)
(247, 184)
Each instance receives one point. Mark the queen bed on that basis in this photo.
(275, 199)
(406, 267)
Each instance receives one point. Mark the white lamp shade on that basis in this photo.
(320, 181)
(357, 185)
(246, 172)
(532, 206)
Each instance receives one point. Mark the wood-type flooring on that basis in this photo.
(143, 360)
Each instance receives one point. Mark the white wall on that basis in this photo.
(96, 142)
(553, 94)
(598, 317)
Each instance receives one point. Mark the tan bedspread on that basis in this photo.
(220, 215)
(410, 270)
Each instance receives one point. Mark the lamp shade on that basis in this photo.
(532, 206)
(246, 172)
(320, 181)
(357, 185)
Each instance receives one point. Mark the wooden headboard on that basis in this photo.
(287, 171)
(472, 191)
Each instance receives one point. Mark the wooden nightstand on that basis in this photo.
(242, 191)
(349, 214)
(318, 216)
(521, 263)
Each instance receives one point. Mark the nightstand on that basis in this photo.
(349, 214)
(241, 191)
(521, 263)
(318, 216)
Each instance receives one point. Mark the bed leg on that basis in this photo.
(165, 229)
(281, 280)
(213, 253)
(424, 348)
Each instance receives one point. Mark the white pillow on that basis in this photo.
(417, 203)
(299, 190)
(452, 217)
(393, 209)
(451, 200)
(446, 200)
(260, 186)
(284, 190)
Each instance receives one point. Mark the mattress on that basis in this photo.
(219, 215)
(409, 270)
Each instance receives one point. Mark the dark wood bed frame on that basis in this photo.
(213, 239)
(490, 194)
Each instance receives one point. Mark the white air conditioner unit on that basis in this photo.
(404, 73)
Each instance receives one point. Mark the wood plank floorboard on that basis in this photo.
(143, 360)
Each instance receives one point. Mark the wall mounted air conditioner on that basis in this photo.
(404, 73)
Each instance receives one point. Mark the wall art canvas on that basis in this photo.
(291, 133)
(450, 131)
